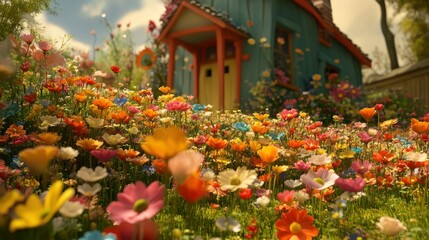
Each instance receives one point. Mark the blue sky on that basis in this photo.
(77, 18)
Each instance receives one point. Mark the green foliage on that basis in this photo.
(14, 14)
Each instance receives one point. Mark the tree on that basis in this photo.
(15, 14)
(415, 24)
(388, 36)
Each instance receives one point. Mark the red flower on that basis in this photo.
(296, 224)
(245, 193)
(115, 69)
(379, 106)
(151, 26)
(383, 156)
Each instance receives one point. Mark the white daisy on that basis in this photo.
(231, 180)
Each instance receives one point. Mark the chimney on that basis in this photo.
(325, 9)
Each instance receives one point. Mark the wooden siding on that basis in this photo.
(413, 79)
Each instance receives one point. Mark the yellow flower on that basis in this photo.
(33, 213)
(37, 159)
(260, 117)
(89, 144)
(49, 138)
(165, 142)
(317, 77)
(279, 169)
(268, 154)
(8, 200)
(164, 89)
(251, 41)
(347, 154)
(254, 145)
(266, 74)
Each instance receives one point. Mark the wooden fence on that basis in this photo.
(412, 79)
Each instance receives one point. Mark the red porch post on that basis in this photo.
(238, 44)
(220, 46)
(172, 46)
(196, 71)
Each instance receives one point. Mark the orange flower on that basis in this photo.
(367, 113)
(165, 142)
(89, 144)
(269, 154)
(80, 96)
(150, 113)
(48, 138)
(258, 127)
(254, 145)
(217, 143)
(37, 159)
(102, 103)
(419, 127)
(297, 225)
(121, 117)
(193, 189)
(260, 117)
(164, 89)
(383, 156)
(160, 166)
(15, 131)
(238, 146)
(125, 154)
(295, 143)
(310, 144)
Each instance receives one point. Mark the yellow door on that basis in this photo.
(209, 85)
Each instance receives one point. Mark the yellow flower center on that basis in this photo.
(235, 181)
(295, 227)
(140, 205)
(319, 180)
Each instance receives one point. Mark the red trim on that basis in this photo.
(172, 46)
(196, 72)
(220, 43)
(336, 33)
(190, 31)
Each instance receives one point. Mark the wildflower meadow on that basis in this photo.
(85, 155)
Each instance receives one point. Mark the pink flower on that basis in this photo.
(286, 196)
(361, 167)
(45, 46)
(184, 164)
(365, 137)
(137, 203)
(319, 180)
(178, 106)
(350, 185)
(27, 38)
(103, 155)
(301, 165)
(288, 114)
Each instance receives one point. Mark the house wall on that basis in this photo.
(264, 15)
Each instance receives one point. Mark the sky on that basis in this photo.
(359, 19)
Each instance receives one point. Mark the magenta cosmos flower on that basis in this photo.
(137, 203)
(351, 185)
(319, 180)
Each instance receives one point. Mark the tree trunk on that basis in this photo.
(388, 36)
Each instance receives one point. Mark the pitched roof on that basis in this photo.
(335, 31)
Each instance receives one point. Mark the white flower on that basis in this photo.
(95, 122)
(89, 175)
(207, 174)
(166, 119)
(301, 196)
(390, 226)
(67, 153)
(319, 180)
(416, 157)
(114, 139)
(71, 209)
(133, 130)
(236, 179)
(372, 132)
(250, 134)
(293, 183)
(323, 159)
(228, 224)
(50, 121)
(88, 190)
(263, 201)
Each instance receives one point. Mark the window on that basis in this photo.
(283, 52)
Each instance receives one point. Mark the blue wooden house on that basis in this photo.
(248, 38)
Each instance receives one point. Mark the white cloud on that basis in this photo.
(151, 10)
(93, 8)
(58, 34)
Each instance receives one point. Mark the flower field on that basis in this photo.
(83, 160)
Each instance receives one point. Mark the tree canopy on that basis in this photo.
(14, 14)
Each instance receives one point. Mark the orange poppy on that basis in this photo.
(419, 127)
(268, 154)
(37, 159)
(217, 143)
(80, 97)
(165, 142)
(15, 131)
(238, 146)
(296, 224)
(120, 117)
(160, 166)
(193, 189)
(150, 113)
(258, 127)
(102, 103)
(48, 138)
(125, 154)
(295, 143)
(146, 59)
(260, 117)
(89, 144)
(367, 113)
(164, 89)
(254, 145)
(383, 156)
